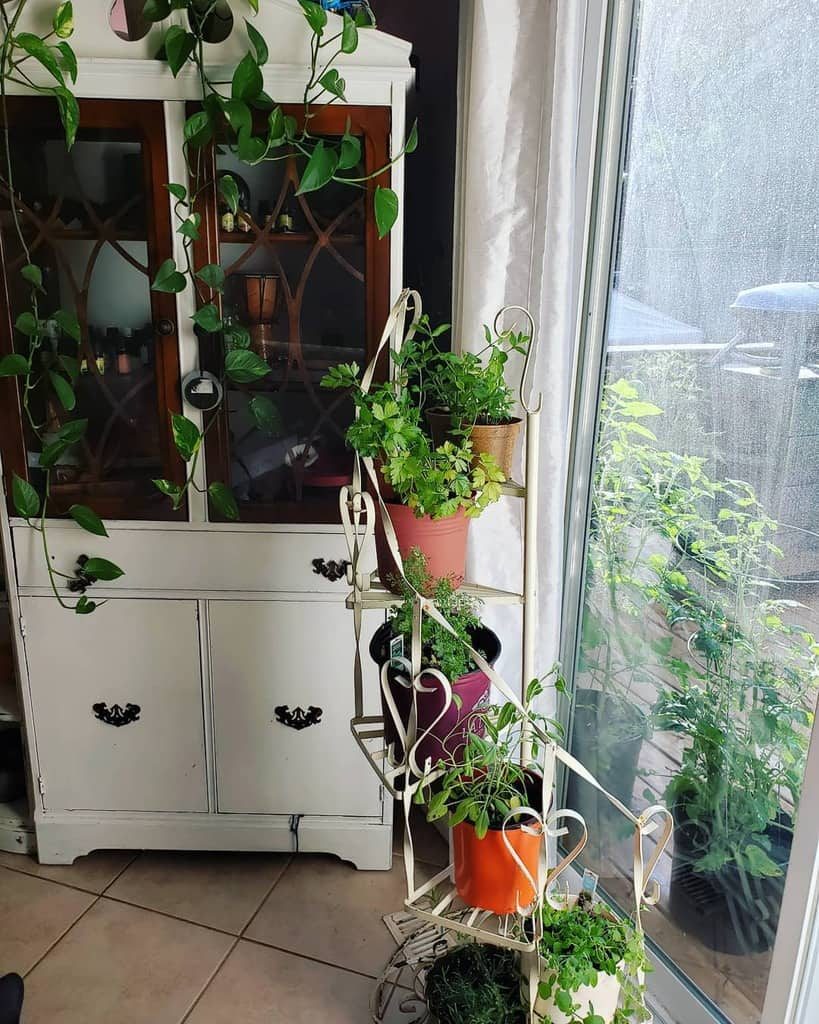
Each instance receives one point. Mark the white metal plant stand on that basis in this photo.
(442, 916)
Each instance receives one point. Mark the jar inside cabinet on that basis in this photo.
(308, 277)
(95, 219)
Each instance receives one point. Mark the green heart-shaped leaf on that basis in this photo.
(88, 519)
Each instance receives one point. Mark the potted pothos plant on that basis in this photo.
(470, 398)
(475, 984)
(442, 651)
(487, 796)
(590, 963)
(434, 491)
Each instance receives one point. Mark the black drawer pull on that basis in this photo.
(298, 718)
(331, 570)
(116, 715)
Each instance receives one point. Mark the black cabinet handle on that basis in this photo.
(116, 715)
(165, 327)
(298, 718)
(331, 570)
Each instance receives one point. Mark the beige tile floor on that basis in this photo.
(162, 938)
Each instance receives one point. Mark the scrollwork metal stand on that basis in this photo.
(435, 918)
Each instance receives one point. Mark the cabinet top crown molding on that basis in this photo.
(281, 22)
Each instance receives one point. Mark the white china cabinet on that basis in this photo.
(206, 704)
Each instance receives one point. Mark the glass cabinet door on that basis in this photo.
(309, 278)
(96, 220)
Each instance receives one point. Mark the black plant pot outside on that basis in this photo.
(607, 738)
(729, 910)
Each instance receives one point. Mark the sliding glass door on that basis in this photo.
(693, 604)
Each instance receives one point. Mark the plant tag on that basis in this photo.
(396, 648)
(590, 880)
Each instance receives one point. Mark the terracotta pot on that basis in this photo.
(497, 440)
(443, 542)
(449, 735)
(486, 874)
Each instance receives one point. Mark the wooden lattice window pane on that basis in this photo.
(300, 272)
(89, 220)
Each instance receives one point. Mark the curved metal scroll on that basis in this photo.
(528, 364)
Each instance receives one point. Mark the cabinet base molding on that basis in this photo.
(61, 838)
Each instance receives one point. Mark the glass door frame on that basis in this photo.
(146, 119)
(792, 995)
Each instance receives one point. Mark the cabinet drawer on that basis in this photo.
(193, 559)
(292, 656)
(129, 652)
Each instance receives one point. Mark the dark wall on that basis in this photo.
(432, 28)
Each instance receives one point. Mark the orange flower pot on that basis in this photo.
(486, 874)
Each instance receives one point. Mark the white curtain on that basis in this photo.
(517, 243)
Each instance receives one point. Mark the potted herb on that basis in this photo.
(442, 651)
(470, 398)
(485, 791)
(431, 492)
(439, 490)
(589, 960)
(475, 984)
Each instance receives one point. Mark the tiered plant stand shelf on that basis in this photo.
(435, 918)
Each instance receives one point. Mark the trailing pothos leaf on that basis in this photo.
(230, 112)
(223, 501)
(35, 370)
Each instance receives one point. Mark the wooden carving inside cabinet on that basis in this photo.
(96, 220)
(311, 279)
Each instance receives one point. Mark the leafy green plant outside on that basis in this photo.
(668, 540)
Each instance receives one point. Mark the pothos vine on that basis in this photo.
(230, 118)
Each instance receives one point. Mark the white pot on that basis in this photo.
(603, 996)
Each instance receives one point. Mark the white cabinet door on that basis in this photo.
(289, 655)
(129, 652)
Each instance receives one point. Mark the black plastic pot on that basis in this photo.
(607, 737)
(472, 689)
(729, 910)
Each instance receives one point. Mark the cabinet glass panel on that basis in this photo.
(296, 277)
(88, 220)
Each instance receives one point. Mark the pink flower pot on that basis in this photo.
(443, 542)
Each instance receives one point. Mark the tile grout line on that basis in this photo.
(312, 959)
(266, 896)
(211, 979)
(164, 913)
(236, 940)
(60, 938)
(70, 885)
(119, 874)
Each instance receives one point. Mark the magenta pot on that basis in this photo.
(448, 736)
